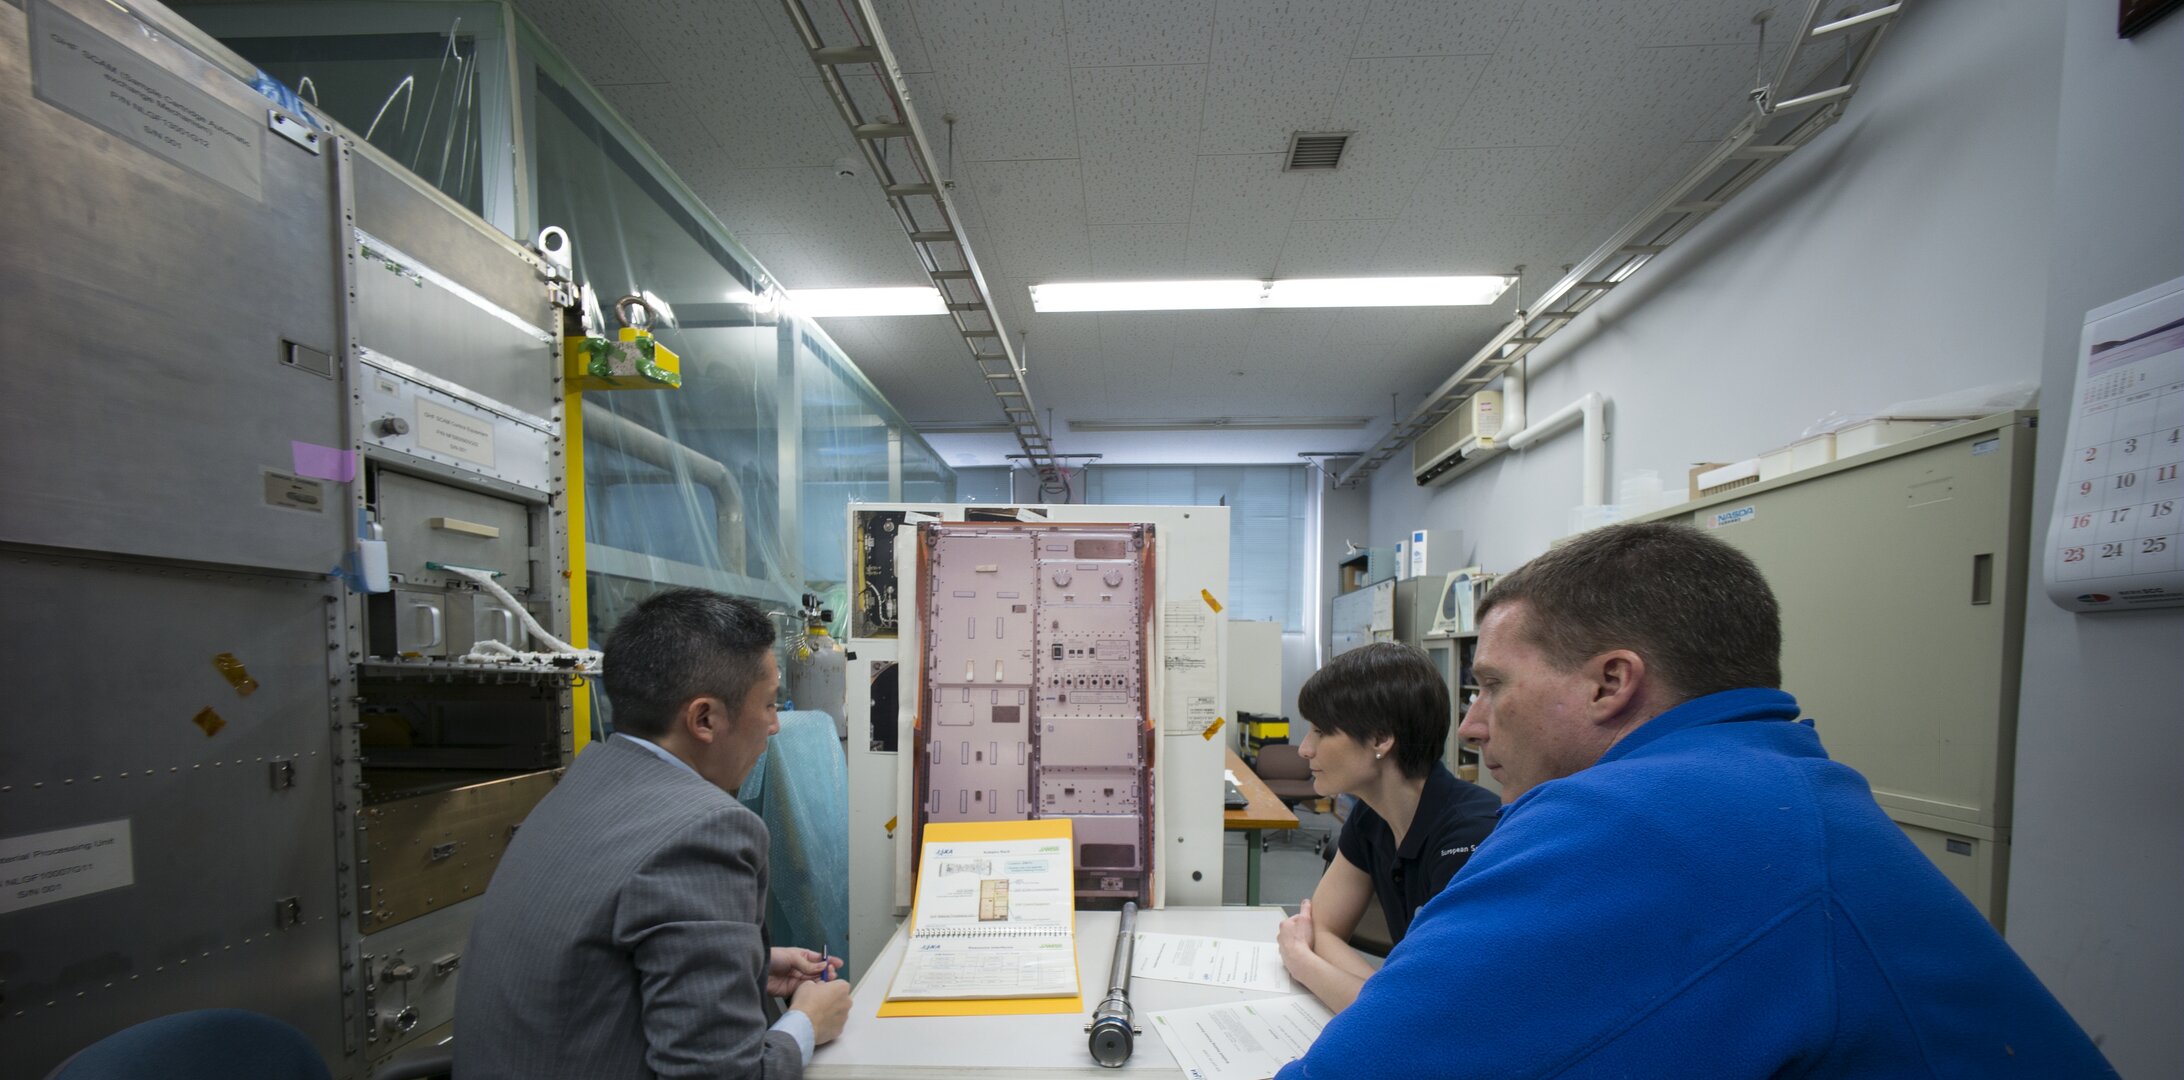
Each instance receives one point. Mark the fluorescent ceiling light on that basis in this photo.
(1247, 293)
(1223, 423)
(845, 303)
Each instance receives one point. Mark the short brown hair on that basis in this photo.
(1695, 608)
(1385, 688)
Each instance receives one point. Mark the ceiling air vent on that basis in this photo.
(1316, 149)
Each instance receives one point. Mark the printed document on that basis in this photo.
(1243, 1040)
(1211, 961)
(994, 913)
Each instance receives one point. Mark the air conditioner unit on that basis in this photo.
(1461, 434)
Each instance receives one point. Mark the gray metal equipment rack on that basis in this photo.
(243, 350)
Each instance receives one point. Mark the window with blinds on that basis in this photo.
(1266, 524)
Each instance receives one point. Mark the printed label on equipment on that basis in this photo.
(1731, 517)
(47, 867)
(445, 431)
(292, 492)
(1986, 446)
(91, 75)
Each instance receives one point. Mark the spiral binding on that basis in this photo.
(991, 932)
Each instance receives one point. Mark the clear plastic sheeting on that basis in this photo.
(800, 788)
(424, 83)
(736, 482)
(739, 480)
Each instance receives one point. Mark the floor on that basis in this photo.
(1290, 867)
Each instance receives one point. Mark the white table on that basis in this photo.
(1056, 1045)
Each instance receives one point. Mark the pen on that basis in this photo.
(826, 970)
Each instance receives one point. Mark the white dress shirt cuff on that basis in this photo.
(799, 1028)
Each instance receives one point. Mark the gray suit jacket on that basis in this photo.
(620, 936)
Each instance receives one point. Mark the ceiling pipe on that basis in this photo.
(1592, 408)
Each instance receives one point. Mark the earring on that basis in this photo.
(1376, 755)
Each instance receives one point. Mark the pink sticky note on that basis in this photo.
(324, 462)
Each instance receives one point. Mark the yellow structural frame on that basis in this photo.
(572, 447)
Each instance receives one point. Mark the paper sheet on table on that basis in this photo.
(1243, 1040)
(1211, 961)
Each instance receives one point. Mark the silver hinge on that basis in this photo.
(287, 912)
(282, 774)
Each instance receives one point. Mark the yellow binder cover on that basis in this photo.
(992, 903)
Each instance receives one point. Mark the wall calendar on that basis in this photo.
(2114, 540)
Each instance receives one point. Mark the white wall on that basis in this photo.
(2097, 863)
(1892, 258)
(1999, 173)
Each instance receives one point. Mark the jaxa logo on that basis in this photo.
(942, 853)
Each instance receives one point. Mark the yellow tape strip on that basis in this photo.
(209, 721)
(1210, 601)
(1212, 728)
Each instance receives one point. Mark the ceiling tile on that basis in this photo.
(1034, 219)
(756, 201)
(900, 25)
(1482, 242)
(1277, 69)
(1115, 33)
(1145, 252)
(1137, 127)
(1663, 92)
(1241, 209)
(713, 40)
(661, 113)
(1142, 115)
(586, 32)
(1400, 109)
(1560, 61)
(1521, 180)
(1434, 27)
(1003, 67)
(1344, 247)
(919, 363)
(1715, 22)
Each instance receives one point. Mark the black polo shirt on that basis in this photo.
(1453, 816)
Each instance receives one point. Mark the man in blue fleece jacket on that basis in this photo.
(1682, 883)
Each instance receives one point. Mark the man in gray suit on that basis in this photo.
(620, 936)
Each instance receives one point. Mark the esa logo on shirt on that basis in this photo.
(1464, 850)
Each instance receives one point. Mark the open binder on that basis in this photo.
(992, 923)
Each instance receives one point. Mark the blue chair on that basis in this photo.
(207, 1044)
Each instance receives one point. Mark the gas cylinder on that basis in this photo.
(818, 668)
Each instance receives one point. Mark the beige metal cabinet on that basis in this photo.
(1901, 576)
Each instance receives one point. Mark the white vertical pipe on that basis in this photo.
(1512, 398)
(1591, 409)
(1596, 450)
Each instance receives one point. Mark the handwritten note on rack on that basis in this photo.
(2114, 540)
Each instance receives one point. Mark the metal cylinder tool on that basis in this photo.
(1114, 1028)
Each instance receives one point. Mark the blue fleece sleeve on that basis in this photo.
(1594, 931)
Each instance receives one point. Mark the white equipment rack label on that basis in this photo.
(47, 867)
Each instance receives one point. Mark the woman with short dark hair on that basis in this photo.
(1379, 718)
